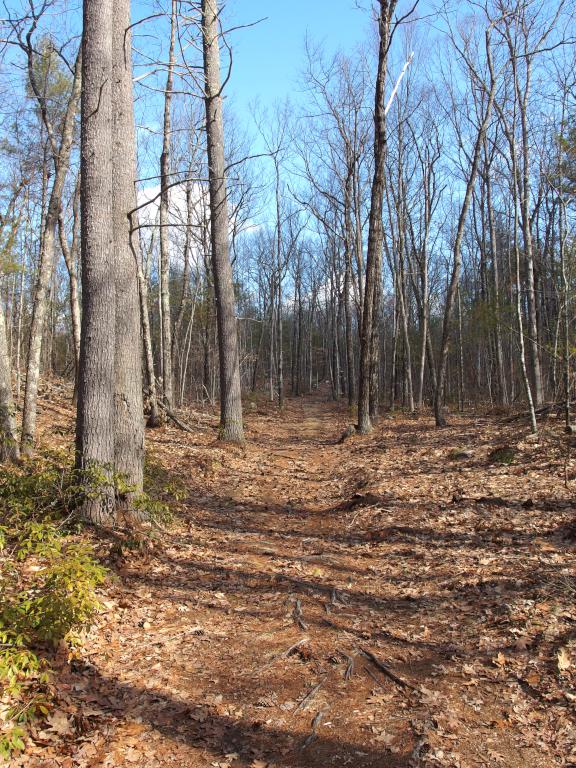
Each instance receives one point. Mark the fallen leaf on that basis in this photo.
(59, 722)
(563, 660)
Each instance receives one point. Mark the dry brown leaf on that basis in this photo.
(59, 722)
(563, 660)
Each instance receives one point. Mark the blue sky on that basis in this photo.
(269, 57)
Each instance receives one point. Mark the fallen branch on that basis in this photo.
(285, 654)
(315, 723)
(297, 615)
(386, 670)
(172, 416)
(542, 411)
(349, 668)
(309, 696)
(373, 676)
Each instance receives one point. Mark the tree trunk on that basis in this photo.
(154, 419)
(374, 400)
(349, 245)
(9, 449)
(503, 389)
(455, 277)
(166, 325)
(70, 255)
(375, 226)
(96, 384)
(61, 160)
(231, 427)
(129, 434)
(185, 294)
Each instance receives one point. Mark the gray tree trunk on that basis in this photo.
(70, 253)
(129, 434)
(368, 338)
(154, 419)
(166, 324)
(455, 276)
(231, 426)
(9, 449)
(61, 159)
(96, 384)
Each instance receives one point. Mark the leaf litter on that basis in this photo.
(391, 601)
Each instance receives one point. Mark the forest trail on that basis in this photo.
(375, 603)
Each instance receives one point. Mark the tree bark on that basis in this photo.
(166, 324)
(70, 253)
(375, 225)
(231, 426)
(455, 276)
(61, 159)
(9, 449)
(96, 384)
(129, 419)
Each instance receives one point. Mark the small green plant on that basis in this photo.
(159, 483)
(48, 582)
(152, 510)
(24, 681)
(11, 741)
(48, 578)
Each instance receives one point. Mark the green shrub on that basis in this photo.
(24, 679)
(48, 582)
(60, 595)
(48, 578)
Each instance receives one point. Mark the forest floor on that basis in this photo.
(396, 600)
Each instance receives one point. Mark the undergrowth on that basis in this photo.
(49, 576)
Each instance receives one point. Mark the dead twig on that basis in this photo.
(297, 615)
(309, 696)
(315, 723)
(172, 416)
(386, 670)
(284, 655)
(349, 671)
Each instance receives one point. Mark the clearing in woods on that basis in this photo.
(400, 599)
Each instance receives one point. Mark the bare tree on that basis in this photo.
(485, 117)
(368, 337)
(166, 317)
(9, 449)
(231, 426)
(60, 149)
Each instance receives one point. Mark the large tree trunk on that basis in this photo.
(129, 434)
(375, 228)
(61, 160)
(96, 385)
(231, 427)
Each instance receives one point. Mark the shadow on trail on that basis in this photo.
(202, 727)
(333, 609)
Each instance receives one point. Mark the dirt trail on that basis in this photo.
(366, 604)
